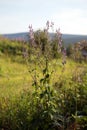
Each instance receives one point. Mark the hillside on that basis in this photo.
(67, 38)
(39, 92)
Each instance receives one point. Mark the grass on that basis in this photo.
(66, 71)
(15, 77)
(16, 100)
(24, 106)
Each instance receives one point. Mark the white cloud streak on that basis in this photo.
(69, 15)
(71, 21)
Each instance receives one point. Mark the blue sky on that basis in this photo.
(68, 15)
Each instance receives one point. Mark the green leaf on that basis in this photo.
(44, 71)
(47, 75)
(41, 80)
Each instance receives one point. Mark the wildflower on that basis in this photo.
(31, 35)
(52, 24)
(31, 32)
(47, 25)
(59, 36)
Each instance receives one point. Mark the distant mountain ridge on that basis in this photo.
(13, 36)
(67, 38)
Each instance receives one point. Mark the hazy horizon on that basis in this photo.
(49, 32)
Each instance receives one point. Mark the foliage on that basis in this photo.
(44, 102)
(55, 48)
(57, 99)
(14, 113)
(10, 47)
(78, 51)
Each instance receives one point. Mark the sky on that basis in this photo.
(68, 15)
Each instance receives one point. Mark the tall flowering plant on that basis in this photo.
(44, 96)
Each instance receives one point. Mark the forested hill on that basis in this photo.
(67, 38)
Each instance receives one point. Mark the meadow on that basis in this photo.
(15, 77)
(41, 90)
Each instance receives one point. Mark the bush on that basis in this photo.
(14, 113)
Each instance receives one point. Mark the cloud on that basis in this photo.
(71, 21)
(69, 15)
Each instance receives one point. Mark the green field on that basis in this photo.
(40, 91)
(15, 77)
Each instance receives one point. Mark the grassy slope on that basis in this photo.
(14, 77)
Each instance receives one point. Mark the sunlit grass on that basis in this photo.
(15, 77)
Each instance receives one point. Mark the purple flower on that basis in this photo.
(47, 25)
(31, 34)
(59, 37)
(52, 24)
